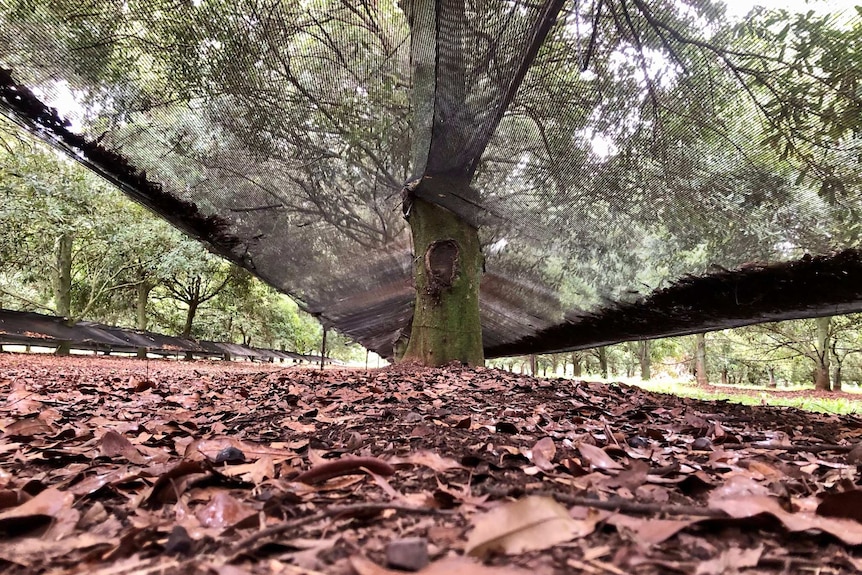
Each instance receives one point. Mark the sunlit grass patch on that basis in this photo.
(753, 395)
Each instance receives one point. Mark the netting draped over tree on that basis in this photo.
(602, 149)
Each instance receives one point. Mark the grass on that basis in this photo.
(754, 395)
(744, 394)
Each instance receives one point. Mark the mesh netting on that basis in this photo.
(612, 147)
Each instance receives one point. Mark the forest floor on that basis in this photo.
(112, 466)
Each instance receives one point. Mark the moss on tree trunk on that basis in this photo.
(63, 275)
(63, 284)
(447, 271)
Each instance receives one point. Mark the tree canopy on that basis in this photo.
(124, 266)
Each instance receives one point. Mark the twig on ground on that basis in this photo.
(618, 504)
(274, 530)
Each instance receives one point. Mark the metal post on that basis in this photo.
(323, 349)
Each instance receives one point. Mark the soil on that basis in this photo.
(112, 465)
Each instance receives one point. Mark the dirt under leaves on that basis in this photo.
(112, 466)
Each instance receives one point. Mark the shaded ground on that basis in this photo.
(122, 466)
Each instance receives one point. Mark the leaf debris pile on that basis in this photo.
(120, 466)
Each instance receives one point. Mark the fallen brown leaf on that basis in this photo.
(528, 524)
(598, 457)
(846, 530)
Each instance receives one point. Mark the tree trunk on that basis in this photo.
(644, 358)
(142, 296)
(63, 284)
(187, 328)
(603, 361)
(534, 368)
(700, 374)
(323, 349)
(771, 371)
(63, 275)
(724, 376)
(190, 318)
(821, 379)
(836, 378)
(821, 368)
(447, 271)
(576, 365)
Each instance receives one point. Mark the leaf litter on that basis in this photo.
(111, 465)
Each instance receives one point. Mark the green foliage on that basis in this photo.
(119, 246)
(785, 355)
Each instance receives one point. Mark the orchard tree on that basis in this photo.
(196, 279)
(60, 218)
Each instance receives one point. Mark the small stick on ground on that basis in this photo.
(617, 504)
(274, 530)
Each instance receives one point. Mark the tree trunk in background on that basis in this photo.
(644, 358)
(771, 372)
(63, 275)
(603, 361)
(700, 374)
(323, 350)
(447, 269)
(821, 368)
(724, 376)
(142, 291)
(576, 364)
(62, 281)
(187, 328)
(836, 378)
(534, 368)
(190, 318)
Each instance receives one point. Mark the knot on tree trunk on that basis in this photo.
(441, 266)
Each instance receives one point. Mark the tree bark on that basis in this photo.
(142, 296)
(603, 361)
(644, 358)
(63, 275)
(821, 368)
(187, 328)
(836, 378)
(447, 269)
(190, 318)
(576, 364)
(700, 374)
(62, 281)
(323, 350)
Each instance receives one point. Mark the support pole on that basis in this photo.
(323, 349)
